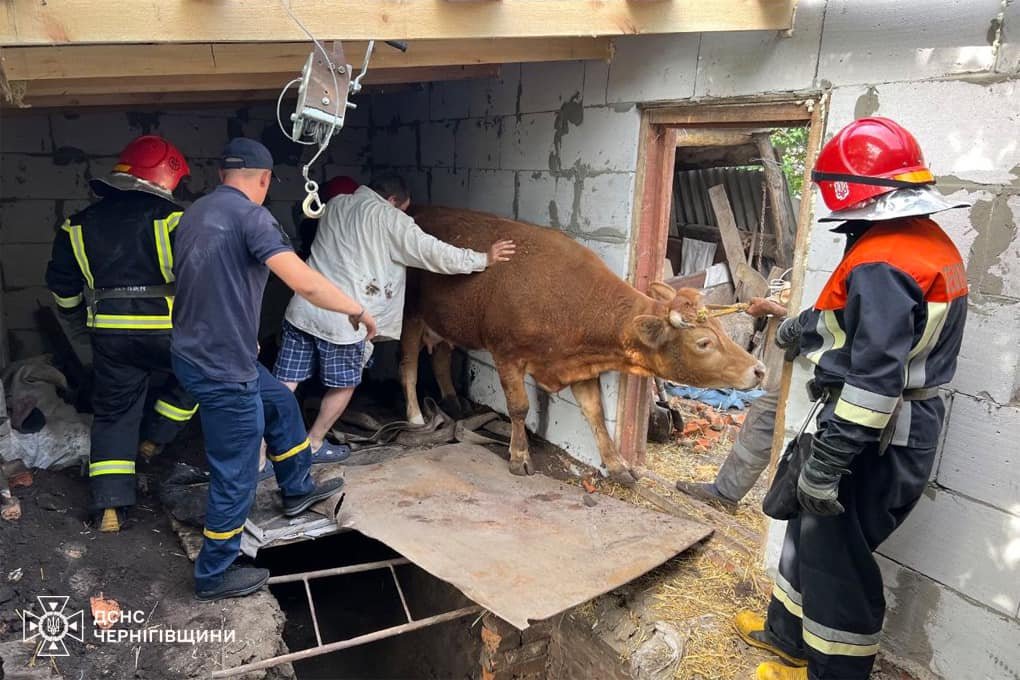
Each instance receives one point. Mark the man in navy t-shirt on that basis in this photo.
(226, 245)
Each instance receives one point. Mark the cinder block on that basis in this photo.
(96, 133)
(981, 458)
(969, 139)
(21, 305)
(39, 177)
(449, 187)
(966, 545)
(477, 143)
(1008, 60)
(544, 199)
(25, 132)
(527, 141)
(947, 634)
(349, 147)
(195, 137)
(989, 360)
(28, 221)
(1003, 270)
(596, 82)
(401, 107)
(751, 62)
(451, 100)
(606, 206)
(606, 140)
(437, 143)
(615, 255)
(886, 40)
(25, 264)
(825, 249)
(651, 68)
(545, 86)
(497, 96)
(395, 147)
(491, 191)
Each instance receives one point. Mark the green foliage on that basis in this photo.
(791, 145)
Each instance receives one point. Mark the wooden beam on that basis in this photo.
(127, 61)
(780, 207)
(784, 113)
(252, 81)
(66, 22)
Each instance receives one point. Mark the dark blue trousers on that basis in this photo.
(235, 418)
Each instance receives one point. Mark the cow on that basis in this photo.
(557, 312)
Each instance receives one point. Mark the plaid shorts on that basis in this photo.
(339, 365)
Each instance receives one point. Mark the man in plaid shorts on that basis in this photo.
(364, 244)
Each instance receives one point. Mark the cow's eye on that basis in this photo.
(704, 344)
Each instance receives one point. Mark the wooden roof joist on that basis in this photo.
(162, 60)
(74, 22)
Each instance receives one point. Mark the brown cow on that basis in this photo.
(557, 312)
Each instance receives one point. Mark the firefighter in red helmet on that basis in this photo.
(111, 270)
(883, 337)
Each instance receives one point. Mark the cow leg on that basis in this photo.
(589, 396)
(410, 346)
(442, 357)
(511, 376)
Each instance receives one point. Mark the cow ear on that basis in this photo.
(662, 292)
(651, 330)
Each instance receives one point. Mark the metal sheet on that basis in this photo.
(525, 548)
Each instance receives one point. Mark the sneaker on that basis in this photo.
(237, 581)
(295, 505)
(331, 453)
(707, 492)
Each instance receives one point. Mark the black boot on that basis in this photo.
(237, 581)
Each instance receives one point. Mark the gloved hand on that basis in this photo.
(788, 337)
(818, 484)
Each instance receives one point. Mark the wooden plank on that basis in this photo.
(29, 22)
(126, 61)
(715, 114)
(712, 137)
(241, 82)
(780, 210)
(749, 283)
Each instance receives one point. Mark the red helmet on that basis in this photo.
(154, 160)
(338, 185)
(867, 158)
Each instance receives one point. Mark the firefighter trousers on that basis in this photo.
(828, 603)
(126, 366)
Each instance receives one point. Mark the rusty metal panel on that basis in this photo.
(525, 548)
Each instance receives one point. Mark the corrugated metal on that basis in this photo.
(743, 187)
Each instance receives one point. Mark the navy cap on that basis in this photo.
(242, 152)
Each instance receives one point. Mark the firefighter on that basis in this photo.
(883, 336)
(111, 269)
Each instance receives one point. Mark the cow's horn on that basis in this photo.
(676, 320)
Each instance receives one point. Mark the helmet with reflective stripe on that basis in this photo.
(868, 158)
(152, 159)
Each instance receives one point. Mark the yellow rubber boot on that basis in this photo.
(110, 524)
(770, 670)
(751, 629)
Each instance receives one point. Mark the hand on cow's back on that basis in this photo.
(501, 251)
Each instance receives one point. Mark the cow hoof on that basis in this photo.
(416, 420)
(522, 468)
(623, 477)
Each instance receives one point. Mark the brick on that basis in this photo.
(751, 62)
(957, 639)
(437, 144)
(980, 458)
(449, 188)
(96, 133)
(477, 143)
(25, 133)
(606, 206)
(451, 100)
(395, 147)
(989, 361)
(880, 41)
(963, 544)
(39, 177)
(28, 221)
(596, 81)
(1008, 60)
(491, 191)
(969, 141)
(545, 200)
(497, 96)
(606, 140)
(20, 307)
(25, 265)
(545, 86)
(526, 143)
(653, 68)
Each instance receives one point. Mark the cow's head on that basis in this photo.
(686, 345)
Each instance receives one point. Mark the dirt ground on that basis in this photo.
(52, 551)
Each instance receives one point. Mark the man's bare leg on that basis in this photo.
(333, 405)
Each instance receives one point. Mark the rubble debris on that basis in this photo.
(658, 658)
(10, 507)
(589, 500)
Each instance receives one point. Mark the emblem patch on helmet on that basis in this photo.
(842, 189)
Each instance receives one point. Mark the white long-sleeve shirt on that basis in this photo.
(364, 246)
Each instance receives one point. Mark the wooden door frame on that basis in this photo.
(660, 129)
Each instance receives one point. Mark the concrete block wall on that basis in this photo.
(47, 158)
